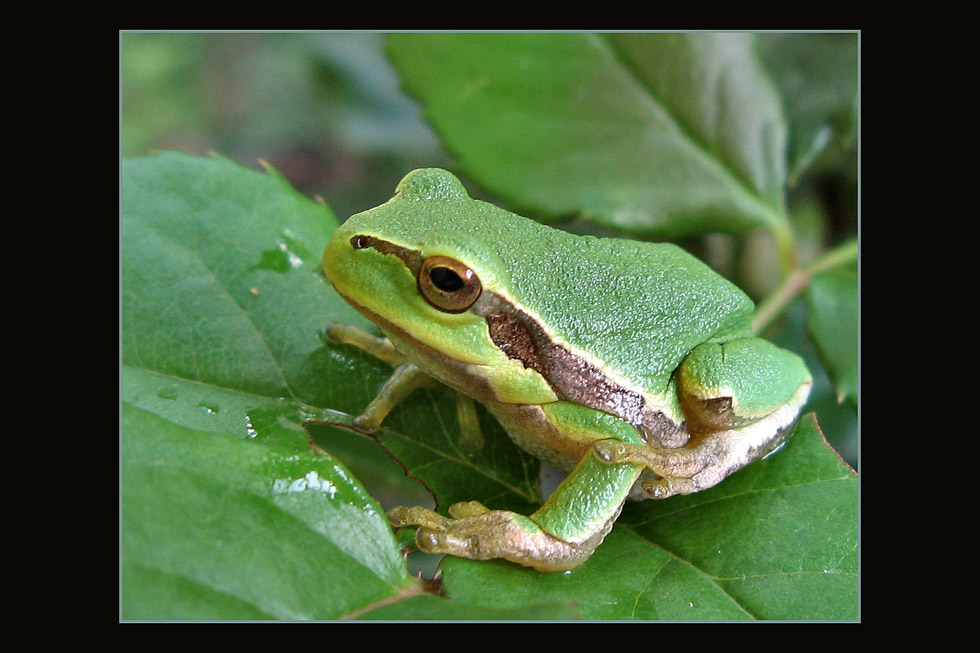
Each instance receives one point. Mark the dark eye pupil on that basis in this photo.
(447, 284)
(445, 279)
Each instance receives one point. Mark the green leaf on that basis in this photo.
(227, 513)
(426, 606)
(777, 540)
(832, 321)
(216, 527)
(423, 435)
(664, 134)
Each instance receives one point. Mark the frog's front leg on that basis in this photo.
(381, 348)
(561, 535)
(404, 380)
(739, 399)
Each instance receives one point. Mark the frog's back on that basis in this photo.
(637, 307)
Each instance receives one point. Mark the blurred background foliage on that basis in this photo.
(326, 110)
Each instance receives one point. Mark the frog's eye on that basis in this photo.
(447, 284)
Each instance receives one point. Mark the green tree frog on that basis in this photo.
(631, 365)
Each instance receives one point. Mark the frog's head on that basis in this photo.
(420, 261)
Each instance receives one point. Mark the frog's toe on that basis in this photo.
(433, 541)
(663, 488)
(467, 509)
(612, 451)
(400, 516)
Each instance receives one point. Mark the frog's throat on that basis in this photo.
(521, 337)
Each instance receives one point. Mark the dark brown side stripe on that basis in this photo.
(571, 378)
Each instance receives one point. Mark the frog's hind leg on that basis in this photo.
(678, 470)
(739, 398)
(730, 385)
(702, 464)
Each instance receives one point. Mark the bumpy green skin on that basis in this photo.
(647, 318)
(637, 307)
(714, 369)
